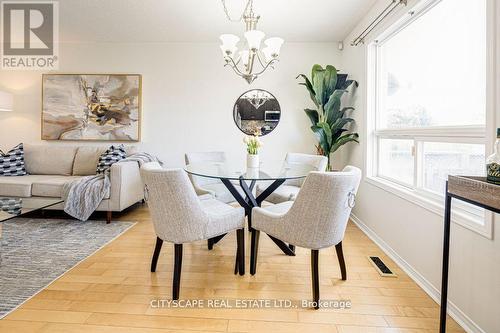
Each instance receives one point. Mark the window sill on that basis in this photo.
(458, 216)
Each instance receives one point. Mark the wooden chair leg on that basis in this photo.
(340, 256)
(156, 254)
(240, 236)
(177, 271)
(236, 262)
(254, 251)
(109, 215)
(315, 277)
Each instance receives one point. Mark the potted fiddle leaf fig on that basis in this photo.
(329, 118)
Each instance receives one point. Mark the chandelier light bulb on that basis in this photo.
(274, 44)
(254, 39)
(229, 41)
(226, 52)
(268, 54)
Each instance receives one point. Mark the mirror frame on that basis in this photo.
(239, 97)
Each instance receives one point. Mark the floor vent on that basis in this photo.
(382, 269)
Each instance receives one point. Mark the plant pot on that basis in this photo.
(252, 161)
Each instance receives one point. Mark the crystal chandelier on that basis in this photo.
(244, 62)
(257, 98)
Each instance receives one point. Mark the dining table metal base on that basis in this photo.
(248, 202)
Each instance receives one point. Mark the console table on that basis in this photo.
(476, 191)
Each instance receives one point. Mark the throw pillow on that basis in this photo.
(12, 162)
(112, 155)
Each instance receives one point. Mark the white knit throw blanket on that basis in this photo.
(82, 196)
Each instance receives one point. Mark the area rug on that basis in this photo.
(35, 252)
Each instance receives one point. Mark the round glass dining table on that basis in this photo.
(273, 174)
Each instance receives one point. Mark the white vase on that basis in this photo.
(252, 161)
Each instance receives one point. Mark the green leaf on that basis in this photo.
(341, 78)
(318, 79)
(351, 137)
(330, 80)
(327, 131)
(315, 68)
(341, 113)
(313, 115)
(332, 107)
(348, 83)
(338, 128)
(348, 108)
(337, 134)
(321, 137)
(340, 123)
(307, 83)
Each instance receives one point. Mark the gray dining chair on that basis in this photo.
(205, 185)
(290, 188)
(317, 219)
(179, 217)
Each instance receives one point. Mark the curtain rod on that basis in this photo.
(386, 12)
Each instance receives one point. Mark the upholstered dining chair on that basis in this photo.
(289, 190)
(205, 185)
(179, 217)
(317, 219)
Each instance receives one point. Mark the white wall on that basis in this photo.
(187, 96)
(414, 233)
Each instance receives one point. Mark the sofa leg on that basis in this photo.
(109, 214)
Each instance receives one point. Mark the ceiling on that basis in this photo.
(204, 20)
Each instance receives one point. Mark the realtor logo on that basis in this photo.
(30, 32)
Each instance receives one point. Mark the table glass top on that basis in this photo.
(268, 171)
(11, 207)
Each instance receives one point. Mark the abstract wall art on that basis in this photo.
(91, 107)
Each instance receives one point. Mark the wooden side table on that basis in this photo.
(473, 190)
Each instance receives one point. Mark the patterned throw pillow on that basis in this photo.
(12, 162)
(112, 155)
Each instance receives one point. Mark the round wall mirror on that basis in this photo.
(257, 112)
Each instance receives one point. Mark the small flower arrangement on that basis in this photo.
(253, 144)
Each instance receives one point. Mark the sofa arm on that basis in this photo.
(126, 185)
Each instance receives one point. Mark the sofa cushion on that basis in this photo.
(49, 160)
(19, 186)
(51, 187)
(86, 160)
(12, 162)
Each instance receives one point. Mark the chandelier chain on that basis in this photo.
(248, 8)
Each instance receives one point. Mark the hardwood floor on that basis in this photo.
(111, 291)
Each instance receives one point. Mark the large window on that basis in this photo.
(428, 115)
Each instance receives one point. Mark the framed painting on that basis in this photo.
(91, 107)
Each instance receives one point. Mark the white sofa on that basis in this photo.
(49, 167)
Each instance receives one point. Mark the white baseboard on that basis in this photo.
(458, 315)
